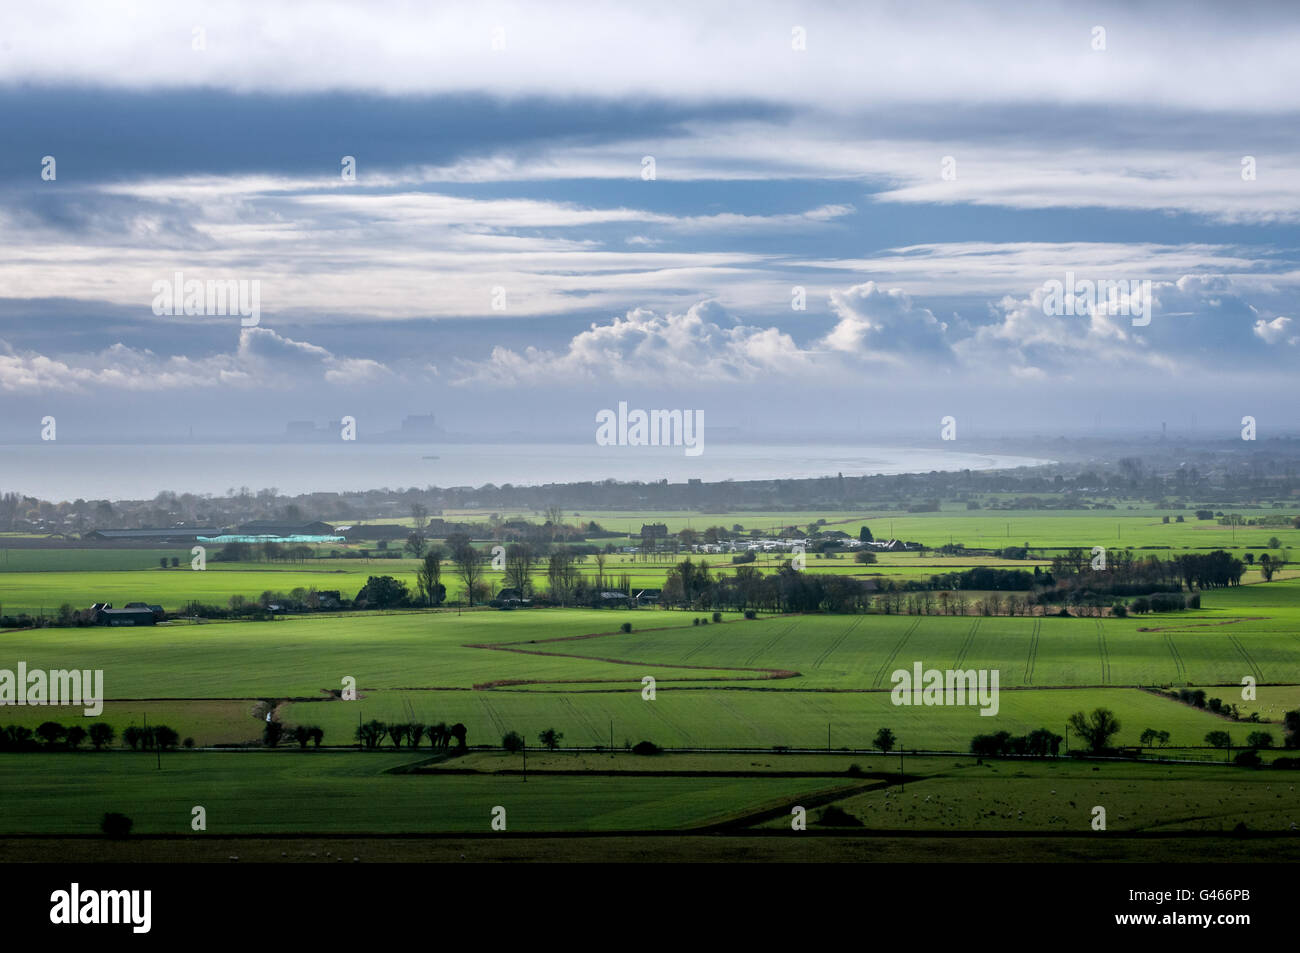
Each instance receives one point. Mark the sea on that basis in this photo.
(60, 471)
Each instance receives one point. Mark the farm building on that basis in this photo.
(158, 611)
(125, 617)
(278, 528)
(379, 531)
(510, 598)
(169, 534)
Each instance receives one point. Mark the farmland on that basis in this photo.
(714, 682)
(752, 687)
(38, 581)
(330, 792)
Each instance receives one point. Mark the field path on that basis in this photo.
(1180, 669)
(701, 646)
(493, 714)
(966, 645)
(1188, 626)
(582, 718)
(830, 649)
(1104, 652)
(771, 643)
(1241, 649)
(1033, 651)
(757, 672)
(898, 647)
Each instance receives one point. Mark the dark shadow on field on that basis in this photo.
(811, 846)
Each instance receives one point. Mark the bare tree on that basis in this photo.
(562, 574)
(555, 518)
(428, 578)
(415, 545)
(10, 504)
(519, 564)
(469, 562)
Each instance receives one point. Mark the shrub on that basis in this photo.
(101, 734)
(717, 617)
(165, 737)
(1167, 602)
(626, 627)
(188, 742)
(646, 747)
(751, 614)
(836, 816)
(51, 732)
(1248, 759)
(695, 621)
(116, 825)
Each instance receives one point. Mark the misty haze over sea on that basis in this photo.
(56, 471)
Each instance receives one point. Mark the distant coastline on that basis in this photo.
(85, 471)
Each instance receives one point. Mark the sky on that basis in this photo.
(803, 219)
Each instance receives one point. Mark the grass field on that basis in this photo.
(770, 681)
(804, 682)
(36, 580)
(1060, 797)
(42, 591)
(336, 793)
(263, 792)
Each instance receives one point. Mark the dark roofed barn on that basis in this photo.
(171, 534)
(125, 617)
(279, 528)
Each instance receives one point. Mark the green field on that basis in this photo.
(812, 682)
(755, 683)
(38, 581)
(261, 792)
(41, 591)
(267, 793)
(1060, 797)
